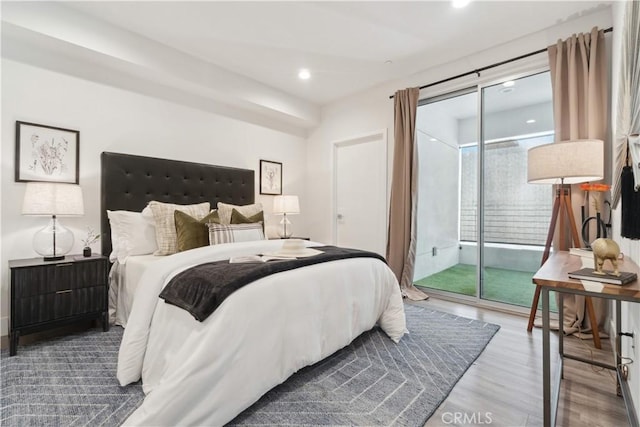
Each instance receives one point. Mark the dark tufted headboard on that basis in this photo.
(129, 182)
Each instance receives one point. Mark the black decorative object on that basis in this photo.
(86, 252)
(601, 229)
(630, 219)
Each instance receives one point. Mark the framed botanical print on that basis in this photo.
(270, 177)
(46, 153)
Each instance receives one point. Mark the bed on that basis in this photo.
(130, 182)
(206, 373)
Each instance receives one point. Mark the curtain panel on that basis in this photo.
(580, 108)
(401, 238)
(627, 127)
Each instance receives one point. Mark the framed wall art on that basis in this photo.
(46, 153)
(270, 177)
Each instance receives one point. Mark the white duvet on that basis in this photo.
(206, 373)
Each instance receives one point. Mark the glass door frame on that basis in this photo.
(463, 89)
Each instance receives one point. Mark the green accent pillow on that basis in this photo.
(238, 218)
(192, 233)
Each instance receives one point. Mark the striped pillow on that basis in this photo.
(230, 233)
(166, 236)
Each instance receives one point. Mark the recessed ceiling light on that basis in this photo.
(531, 121)
(508, 83)
(432, 139)
(304, 74)
(459, 4)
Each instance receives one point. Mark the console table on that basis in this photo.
(553, 276)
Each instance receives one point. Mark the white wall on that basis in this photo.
(116, 120)
(358, 116)
(630, 248)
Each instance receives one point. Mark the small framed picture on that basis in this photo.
(46, 153)
(270, 177)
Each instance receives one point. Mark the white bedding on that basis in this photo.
(123, 281)
(206, 373)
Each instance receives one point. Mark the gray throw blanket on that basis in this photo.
(201, 289)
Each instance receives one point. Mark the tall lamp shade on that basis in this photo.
(286, 205)
(568, 162)
(53, 199)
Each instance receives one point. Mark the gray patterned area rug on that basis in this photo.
(374, 382)
(66, 381)
(71, 381)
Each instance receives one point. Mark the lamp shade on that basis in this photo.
(286, 205)
(52, 198)
(571, 162)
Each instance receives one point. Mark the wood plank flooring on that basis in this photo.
(504, 386)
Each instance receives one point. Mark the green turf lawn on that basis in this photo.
(512, 287)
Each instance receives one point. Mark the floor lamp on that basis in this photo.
(567, 162)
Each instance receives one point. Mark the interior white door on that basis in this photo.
(361, 193)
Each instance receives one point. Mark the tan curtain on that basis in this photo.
(401, 238)
(580, 109)
(628, 103)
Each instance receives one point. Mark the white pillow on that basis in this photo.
(131, 234)
(166, 237)
(224, 211)
(148, 215)
(230, 233)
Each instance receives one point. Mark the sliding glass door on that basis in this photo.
(447, 209)
(501, 220)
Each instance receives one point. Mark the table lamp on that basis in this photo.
(285, 205)
(53, 199)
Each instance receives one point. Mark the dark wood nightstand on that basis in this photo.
(48, 294)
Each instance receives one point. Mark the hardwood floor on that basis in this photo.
(504, 386)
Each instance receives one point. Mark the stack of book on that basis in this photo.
(589, 274)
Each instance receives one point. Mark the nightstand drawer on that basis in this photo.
(58, 305)
(58, 277)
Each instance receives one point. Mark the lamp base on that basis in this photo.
(53, 241)
(285, 231)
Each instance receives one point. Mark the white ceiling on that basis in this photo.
(344, 44)
(241, 59)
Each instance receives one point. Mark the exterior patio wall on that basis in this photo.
(510, 257)
(437, 210)
(428, 264)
